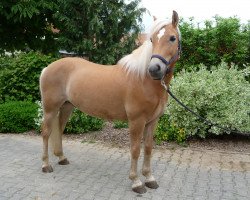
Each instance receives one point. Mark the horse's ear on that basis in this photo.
(155, 18)
(175, 18)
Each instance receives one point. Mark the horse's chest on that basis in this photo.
(158, 110)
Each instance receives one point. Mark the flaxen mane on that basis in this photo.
(138, 60)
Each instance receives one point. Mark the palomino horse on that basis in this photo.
(130, 90)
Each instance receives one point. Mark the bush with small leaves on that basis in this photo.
(221, 95)
(167, 131)
(17, 116)
(78, 122)
(19, 76)
(120, 124)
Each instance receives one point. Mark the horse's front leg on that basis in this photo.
(136, 129)
(148, 144)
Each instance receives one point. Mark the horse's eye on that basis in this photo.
(172, 38)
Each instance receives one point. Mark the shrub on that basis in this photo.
(167, 131)
(80, 123)
(17, 116)
(120, 124)
(221, 95)
(19, 76)
(215, 40)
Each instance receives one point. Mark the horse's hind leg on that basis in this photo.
(148, 144)
(136, 129)
(50, 129)
(64, 114)
(49, 119)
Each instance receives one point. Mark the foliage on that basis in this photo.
(107, 30)
(221, 95)
(80, 123)
(27, 25)
(120, 124)
(19, 76)
(225, 39)
(39, 118)
(17, 116)
(85, 26)
(104, 30)
(167, 131)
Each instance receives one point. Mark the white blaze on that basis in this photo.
(161, 33)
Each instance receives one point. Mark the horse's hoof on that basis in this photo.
(152, 184)
(63, 162)
(140, 189)
(47, 169)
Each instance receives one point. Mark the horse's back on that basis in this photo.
(67, 65)
(60, 71)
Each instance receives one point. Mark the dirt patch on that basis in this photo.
(109, 135)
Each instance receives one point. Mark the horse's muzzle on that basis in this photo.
(155, 72)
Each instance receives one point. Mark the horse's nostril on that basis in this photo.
(158, 67)
(155, 68)
(151, 69)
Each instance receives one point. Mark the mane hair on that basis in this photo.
(137, 62)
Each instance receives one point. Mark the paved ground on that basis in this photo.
(99, 171)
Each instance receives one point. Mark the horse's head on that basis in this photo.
(166, 49)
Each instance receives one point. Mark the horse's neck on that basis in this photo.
(153, 87)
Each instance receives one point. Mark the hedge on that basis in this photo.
(214, 40)
(17, 116)
(19, 76)
(221, 95)
(78, 122)
(81, 123)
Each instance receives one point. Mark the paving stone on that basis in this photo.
(213, 196)
(98, 171)
(115, 196)
(2, 197)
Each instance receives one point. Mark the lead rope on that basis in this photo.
(206, 121)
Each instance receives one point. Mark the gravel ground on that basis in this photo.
(120, 138)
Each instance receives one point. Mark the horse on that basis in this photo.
(130, 91)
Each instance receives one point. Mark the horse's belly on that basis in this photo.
(99, 101)
(103, 109)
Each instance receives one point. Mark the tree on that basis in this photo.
(26, 24)
(104, 30)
